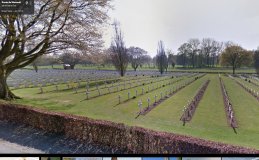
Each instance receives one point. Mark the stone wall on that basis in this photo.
(117, 135)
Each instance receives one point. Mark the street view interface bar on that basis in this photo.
(16, 6)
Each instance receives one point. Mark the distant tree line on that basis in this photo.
(205, 53)
(199, 53)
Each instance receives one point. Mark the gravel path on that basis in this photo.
(19, 138)
(7, 147)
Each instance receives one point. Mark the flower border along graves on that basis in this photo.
(228, 107)
(190, 110)
(156, 103)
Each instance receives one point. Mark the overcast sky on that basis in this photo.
(145, 22)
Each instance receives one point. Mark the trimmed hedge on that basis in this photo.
(116, 135)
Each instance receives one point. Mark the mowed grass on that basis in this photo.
(249, 85)
(177, 68)
(209, 121)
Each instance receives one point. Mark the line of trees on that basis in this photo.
(208, 53)
(230, 55)
(199, 53)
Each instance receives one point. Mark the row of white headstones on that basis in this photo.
(88, 81)
(165, 94)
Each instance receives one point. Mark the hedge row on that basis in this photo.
(116, 135)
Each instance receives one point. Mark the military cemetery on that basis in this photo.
(149, 84)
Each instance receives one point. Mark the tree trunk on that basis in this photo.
(234, 68)
(193, 63)
(5, 92)
(122, 73)
(72, 66)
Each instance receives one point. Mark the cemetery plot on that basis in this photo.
(246, 107)
(151, 87)
(209, 121)
(247, 88)
(191, 106)
(28, 78)
(90, 85)
(163, 98)
(129, 84)
(74, 86)
(228, 106)
(120, 87)
(249, 81)
(151, 83)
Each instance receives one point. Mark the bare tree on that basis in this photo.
(183, 52)
(207, 49)
(171, 58)
(119, 55)
(194, 49)
(217, 49)
(161, 58)
(56, 25)
(136, 56)
(146, 59)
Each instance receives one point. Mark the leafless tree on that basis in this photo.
(217, 49)
(194, 49)
(119, 55)
(55, 26)
(136, 56)
(207, 49)
(171, 58)
(183, 52)
(161, 58)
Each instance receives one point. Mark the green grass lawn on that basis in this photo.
(249, 85)
(145, 67)
(209, 121)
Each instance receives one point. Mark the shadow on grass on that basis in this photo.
(49, 142)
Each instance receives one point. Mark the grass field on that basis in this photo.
(209, 121)
(176, 69)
